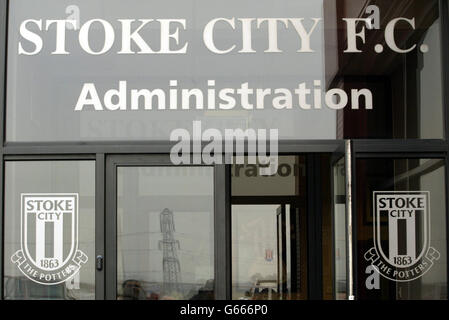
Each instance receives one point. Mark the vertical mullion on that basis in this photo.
(444, 37)
(222, 232)
(317, 228)
(3, 53)
(4, 7)
(446, 185)
(350, 220)
(314, 248)
(353, 199)
(111, 230)
(332, 233)
(99, 224)
(2, 221)
(284, 251)
(311, 267)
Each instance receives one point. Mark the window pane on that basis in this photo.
(52, 84)
(49, 230)
(165, 238)
(401, 220)
(289, 90)
(269, 231)
(406, 87)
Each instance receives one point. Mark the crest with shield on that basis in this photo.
(401, 225)
(49, 238)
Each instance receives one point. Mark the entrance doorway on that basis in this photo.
(282, 238)
(219, 232)
(269, 251)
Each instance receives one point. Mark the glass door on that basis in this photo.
(50, 230)
(401, 227)
(160, 230)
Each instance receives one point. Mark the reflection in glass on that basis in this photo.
(165, 233)
(406, 87)
(255, 251)
(269, 238)
(268, 257)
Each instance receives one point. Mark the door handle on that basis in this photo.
(99, 263)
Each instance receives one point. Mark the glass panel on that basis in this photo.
(269, 232)
(165, 233)
(49, 230)
(263, 82)
(52, 84)
(406, 87)
(340, 276)
(403, 202)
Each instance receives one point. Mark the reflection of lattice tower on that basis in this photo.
(169, 247)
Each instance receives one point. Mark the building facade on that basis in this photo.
(113, 189)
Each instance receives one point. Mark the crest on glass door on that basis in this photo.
(49, 238)
(401, 225)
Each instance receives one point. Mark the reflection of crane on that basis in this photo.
(169, 247)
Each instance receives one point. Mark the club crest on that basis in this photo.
(401, 224)
(49, 238)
